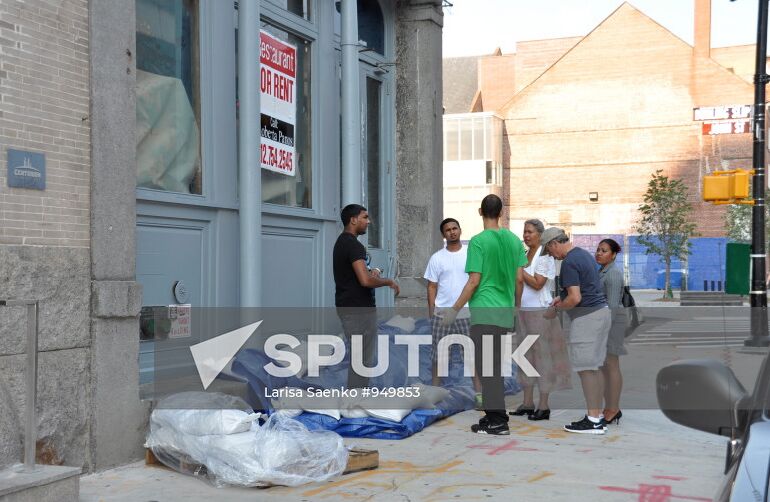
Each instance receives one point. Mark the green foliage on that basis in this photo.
(738, 222)
(665, 227)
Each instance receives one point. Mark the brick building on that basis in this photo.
(588, 119)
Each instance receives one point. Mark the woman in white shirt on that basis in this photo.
(549, 354)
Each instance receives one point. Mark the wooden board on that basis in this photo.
(362, 460)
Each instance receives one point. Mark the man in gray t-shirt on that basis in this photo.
(583, 299)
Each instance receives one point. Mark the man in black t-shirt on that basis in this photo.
(355, 285)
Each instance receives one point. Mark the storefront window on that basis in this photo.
(466, 139)
(167, 96)
(451, 142)
(371, 23)
(371, 26)
(302, 8)
(278, 187)
(373, 159)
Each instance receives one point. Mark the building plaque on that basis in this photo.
(26, 169)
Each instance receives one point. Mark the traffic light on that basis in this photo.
(728, 187)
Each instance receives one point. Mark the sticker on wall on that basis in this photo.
(26, 169)
(278, 103)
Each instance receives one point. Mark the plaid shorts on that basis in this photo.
(439, 331)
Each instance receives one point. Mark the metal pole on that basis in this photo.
(30, 430)
(352, 181)
(249, 169)
(759, 334)
(30, 423)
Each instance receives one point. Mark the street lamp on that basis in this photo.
(758, 294)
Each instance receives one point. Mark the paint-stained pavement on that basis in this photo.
(645, 458)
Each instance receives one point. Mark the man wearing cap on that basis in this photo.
(495, 258)
(583, 298)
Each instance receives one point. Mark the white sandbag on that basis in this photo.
(203, 414)
(423, 397)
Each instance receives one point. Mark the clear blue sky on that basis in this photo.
(473, 27)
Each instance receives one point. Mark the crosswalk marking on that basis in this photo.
(695, 338)
(696, 333)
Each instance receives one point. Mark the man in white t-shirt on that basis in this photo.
(446, 279)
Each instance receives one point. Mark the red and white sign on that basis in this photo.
(726, 119)
(726, 127)
(726, 112)
(278, 103)
(180, 316)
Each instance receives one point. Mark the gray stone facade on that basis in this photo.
(58, 278)
(118, 418)
(419, 195)
(89, 414)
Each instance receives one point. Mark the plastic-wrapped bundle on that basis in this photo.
(291, 455)
(188, 432)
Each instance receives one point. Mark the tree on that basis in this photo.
(738, 223)
(664, 227)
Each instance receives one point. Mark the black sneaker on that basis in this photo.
(586, 426)
(484, 427)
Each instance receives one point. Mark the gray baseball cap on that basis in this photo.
(550, 234)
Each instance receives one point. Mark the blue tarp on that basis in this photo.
(706, 263)
(645, 269)
(460, 399)
(249, 365)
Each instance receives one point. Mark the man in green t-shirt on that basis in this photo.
(495, 258)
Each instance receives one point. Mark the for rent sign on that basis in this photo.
(278, 76)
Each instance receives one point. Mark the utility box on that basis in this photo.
(738, 264)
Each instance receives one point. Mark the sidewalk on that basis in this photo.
(646, 455)
(653, 298)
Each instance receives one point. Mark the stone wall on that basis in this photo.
(58, 278)
(44, 235)
(71, 246)
(419, 142)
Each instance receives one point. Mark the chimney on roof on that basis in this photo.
(702, 28)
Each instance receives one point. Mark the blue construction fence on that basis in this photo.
(704, 268)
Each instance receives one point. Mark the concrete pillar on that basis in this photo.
(117, 417)
(419, 175)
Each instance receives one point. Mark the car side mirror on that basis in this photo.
(702, 394)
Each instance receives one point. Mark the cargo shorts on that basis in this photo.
(587, 344)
